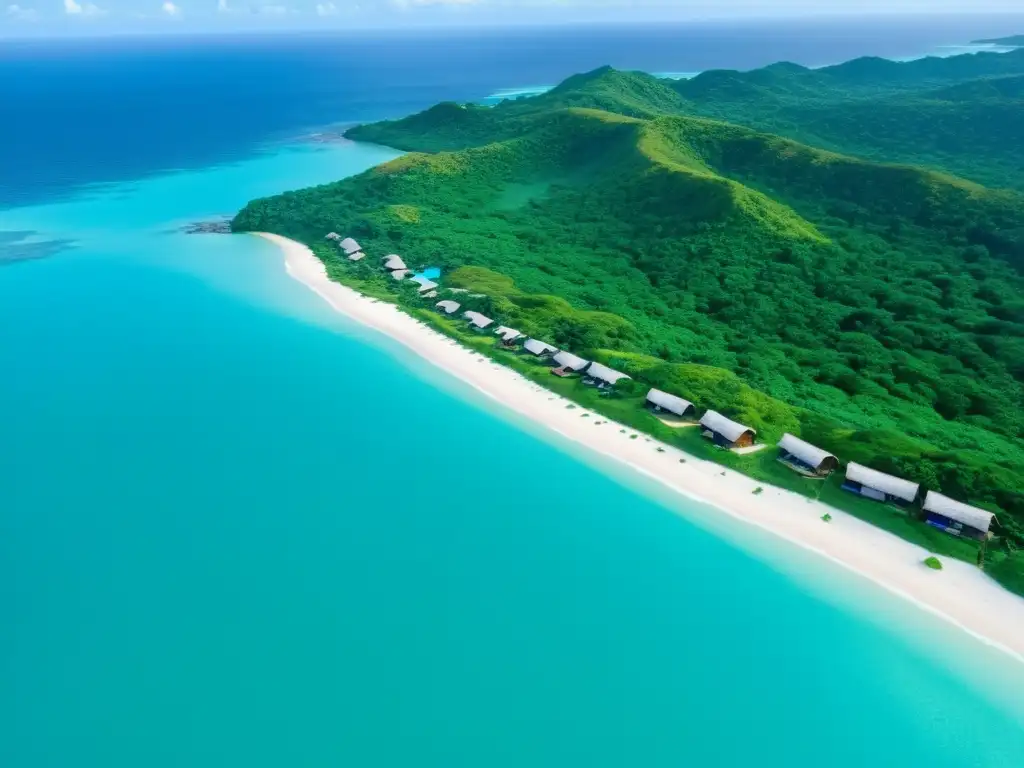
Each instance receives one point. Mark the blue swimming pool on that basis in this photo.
(431, 273)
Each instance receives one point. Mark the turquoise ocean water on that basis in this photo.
(237, 530)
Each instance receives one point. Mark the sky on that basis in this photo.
(92, 17)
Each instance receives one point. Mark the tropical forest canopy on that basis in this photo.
(836, 253)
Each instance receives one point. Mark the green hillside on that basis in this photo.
(877, 310)
(963, 114)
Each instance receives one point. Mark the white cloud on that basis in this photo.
(326, 9)
(15, 11)
(74, 8)
(170, 9)
(415, 3)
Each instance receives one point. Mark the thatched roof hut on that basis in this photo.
(394, 261)
(358, 255)
(400, 274)
(348, 245)
(448, 306)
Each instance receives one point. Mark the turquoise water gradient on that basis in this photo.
(235, 530)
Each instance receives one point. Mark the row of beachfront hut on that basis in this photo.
(392, 263)
(940, 511)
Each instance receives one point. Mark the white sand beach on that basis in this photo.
(960, 593)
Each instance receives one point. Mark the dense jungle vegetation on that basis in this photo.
(876, 310)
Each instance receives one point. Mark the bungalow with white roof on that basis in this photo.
(477, 320)
(955, 517)
(568, 363)
(333, 236)
(424, 284)
(805, 458)
(448, 306)
(539, 348)
(879, 486)
(393, 262)
(348, 245)
(603, 376)
(726, 432)
(357, 256)
(660, 401)
(400, 274)
(508, 336)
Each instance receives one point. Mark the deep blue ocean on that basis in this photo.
(236, 529)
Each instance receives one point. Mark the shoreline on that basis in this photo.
(960, 594)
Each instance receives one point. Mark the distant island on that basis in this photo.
(1013, 41)
(834, 254)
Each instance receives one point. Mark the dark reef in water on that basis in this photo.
(13, 247)
(215, 227)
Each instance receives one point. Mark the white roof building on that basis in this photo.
(356, 256)
(669, 403)
(507, 334)
(332, 236)
(448, 307)
(879, 481)
(809, 454)
(604, 373)
(538, 347)
(424, 283)
(571, 361)
(348, 245)
(727, 428)
(956, 510)
(399, 274)
(394, 262)
(475, 318)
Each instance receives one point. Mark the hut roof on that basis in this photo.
(732, 430)
(349, 245)
(399, 274)
(448, 307)
(475, 318)
(508, 334)
(394, 261)
(571, 361)
(356, 256)
(424, 283)
(670, 403)
(807, 453)
(956, 510)
(603, 372)
(538, 347)
(332, 236)
(872, 478)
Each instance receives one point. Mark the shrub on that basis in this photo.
(934, 563)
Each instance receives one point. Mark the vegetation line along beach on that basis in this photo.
(834, 254)
(960, 594)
